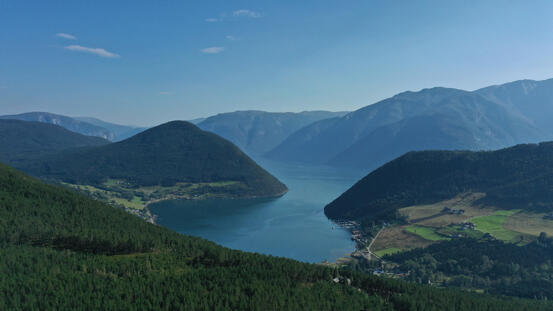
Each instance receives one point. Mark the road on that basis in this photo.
(370, 253)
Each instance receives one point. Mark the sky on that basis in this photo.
(148, 62)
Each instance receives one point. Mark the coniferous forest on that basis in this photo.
(62, 250)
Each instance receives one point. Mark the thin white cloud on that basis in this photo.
(166, 93)
(66, 36)
(246, 13)
(213, 50)
(212, 20)
(96, 51)
(231, 38)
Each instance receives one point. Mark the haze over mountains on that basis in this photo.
(258, 132)
(120, 132)
(436, 118)
(86, 126)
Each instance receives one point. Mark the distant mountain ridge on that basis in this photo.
(82, 125)
(258, 132)
(23, 140)
(436, 118)
(120, 132)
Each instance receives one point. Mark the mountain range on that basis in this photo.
(436, 118)
(120, 132)
(257, 132)
(84, 125)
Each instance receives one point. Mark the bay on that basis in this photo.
(292, 226)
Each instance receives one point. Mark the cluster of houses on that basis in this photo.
(468, 226)
(453, 211)
(356, 235)
(347, 224)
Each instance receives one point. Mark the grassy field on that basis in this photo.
(387, 251)
(431, 215)
(136, 202)
(397, 237)
(529, 223)
(454, 230)
(494, 225)
(426, 233)
(119, 192)
(430, 223)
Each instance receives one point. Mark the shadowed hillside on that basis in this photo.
(22, 140)
(173, 152)
(517, 177)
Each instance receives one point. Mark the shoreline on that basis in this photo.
(151, 217)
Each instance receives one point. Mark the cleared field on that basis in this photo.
(426, 233)
(529, 223)
(459, 231)
(494, 225)
(136, 202)
(398, 238)
(387, 251)
(431, 215)
(433, 222)
(119, 192)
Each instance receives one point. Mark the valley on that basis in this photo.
(276, 155)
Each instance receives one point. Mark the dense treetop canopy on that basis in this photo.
(516, 177)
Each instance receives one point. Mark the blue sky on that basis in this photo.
(147, 62)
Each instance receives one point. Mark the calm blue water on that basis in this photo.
(292, 226)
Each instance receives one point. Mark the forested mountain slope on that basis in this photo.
(490, 265)
(61, 250)
(22, 140)
(517, 177)
(174, 152)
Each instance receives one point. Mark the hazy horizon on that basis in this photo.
(145, 64)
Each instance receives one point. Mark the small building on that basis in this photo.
(342, 280)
